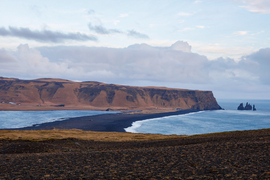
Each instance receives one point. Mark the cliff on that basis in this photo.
(96, 95)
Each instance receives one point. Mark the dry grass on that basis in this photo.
(40, 135)
(235, 133)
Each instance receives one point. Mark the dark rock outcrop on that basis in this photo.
(247, 107)
(254, 109)
(241, 107)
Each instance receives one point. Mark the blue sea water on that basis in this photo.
(17, 119)
(203, 122)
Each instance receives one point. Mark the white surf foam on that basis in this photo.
(137, 124)
(204, 122)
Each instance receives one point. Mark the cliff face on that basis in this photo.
(95, 94)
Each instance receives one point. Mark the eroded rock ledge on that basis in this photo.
(69, 94)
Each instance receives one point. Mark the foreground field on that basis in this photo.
(43, 135)
(231, 155)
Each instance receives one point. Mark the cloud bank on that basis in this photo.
(174, 66)
(59, 37)
(45, 35)
(99, 29)
(102, 30)
(257, 6)
(136, 34)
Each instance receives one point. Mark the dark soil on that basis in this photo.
(237, 155)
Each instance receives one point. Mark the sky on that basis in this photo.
(217, 45)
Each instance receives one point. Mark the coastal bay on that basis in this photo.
(104, 122)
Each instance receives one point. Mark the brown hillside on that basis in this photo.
(48, 93)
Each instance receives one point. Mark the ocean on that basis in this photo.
(201, 122)
(17, 119)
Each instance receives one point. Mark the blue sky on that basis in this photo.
(219, 45)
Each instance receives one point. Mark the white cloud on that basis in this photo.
(196, 2)
(240, 33)
(115, 22)
(101, 30)
(174, 64)
(191, 28)
(29, 63)
(137, 62)
(260, 32)
(200, 27)
(45, 35)
(257, 6)
(181, 46)
(135, 34)
(259, 64)
(6, 57)
(213, 51)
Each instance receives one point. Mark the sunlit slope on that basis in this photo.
(51, 92)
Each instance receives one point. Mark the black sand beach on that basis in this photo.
(105, 122)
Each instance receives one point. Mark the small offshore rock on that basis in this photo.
(247, 107)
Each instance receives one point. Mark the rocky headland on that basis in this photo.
(50, 94)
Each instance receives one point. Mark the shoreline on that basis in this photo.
(104, 122)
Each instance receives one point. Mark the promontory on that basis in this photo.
(50, 94)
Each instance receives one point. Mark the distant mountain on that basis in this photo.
(65, 93)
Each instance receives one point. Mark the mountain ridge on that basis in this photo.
(49, 92)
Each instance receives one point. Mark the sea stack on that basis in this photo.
(254, 109)
(241, 107)
(247, 107)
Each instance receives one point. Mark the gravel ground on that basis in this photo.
(237, 155)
